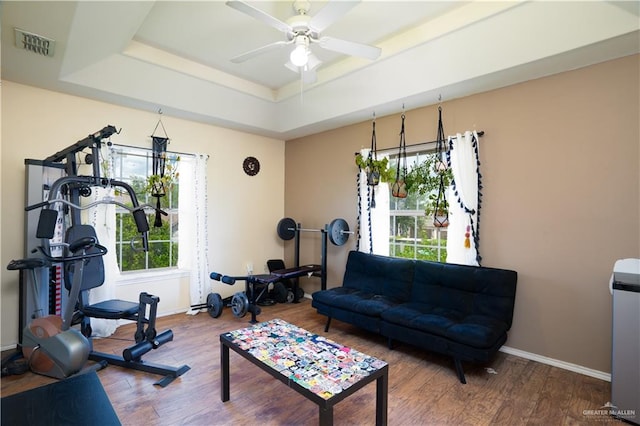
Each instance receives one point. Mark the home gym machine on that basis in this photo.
(60, 218)
(242, 302)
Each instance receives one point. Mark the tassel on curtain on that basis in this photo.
(364, 204)
(463, 237)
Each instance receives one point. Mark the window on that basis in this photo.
(133, 165)
(412, 233)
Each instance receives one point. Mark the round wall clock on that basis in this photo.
(251, 166)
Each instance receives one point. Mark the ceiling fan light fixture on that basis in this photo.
(313, 62)
(299, 56)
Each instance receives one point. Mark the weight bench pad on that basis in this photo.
(111, 309)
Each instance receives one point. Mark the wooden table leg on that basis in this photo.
(382, 388)
(224, 365)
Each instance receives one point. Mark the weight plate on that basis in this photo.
(287, 228)
(239, 304)
(338, 232)
(214, 305)
(289, 296)
(280, 292)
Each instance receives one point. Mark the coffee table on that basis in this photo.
(320, 369)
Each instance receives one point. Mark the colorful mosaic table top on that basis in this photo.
(321, 365)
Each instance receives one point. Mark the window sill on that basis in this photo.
(129, 278)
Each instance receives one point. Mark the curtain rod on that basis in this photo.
(480, 134)
(150, 149)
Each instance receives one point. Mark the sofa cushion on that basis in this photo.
(475, 330)
(354, 300)
(389, 277)
(469, 290)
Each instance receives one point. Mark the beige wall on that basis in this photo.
(243, 210)
(560, 165)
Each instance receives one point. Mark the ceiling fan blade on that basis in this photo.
(259, 15)
(330, 13)
(259, 51)
(350, 48)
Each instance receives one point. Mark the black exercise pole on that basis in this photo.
(323, 261)
(297, 253)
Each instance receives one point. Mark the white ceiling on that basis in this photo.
(174, 56)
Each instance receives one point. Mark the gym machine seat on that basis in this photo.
(146, 338)
(111, 309)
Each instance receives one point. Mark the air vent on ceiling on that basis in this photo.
(34, 43)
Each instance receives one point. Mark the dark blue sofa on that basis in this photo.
(457, 310)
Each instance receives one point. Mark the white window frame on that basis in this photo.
(119, 152)
(438, 234)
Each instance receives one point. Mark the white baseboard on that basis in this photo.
(557, 363)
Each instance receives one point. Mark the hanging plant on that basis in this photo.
(158, 185)
(376, 170)
(399, 187)
(165, 172)
(424, 178)
(433, 177)
(439, 209)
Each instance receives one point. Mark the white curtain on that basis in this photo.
(374, 221)
(103, 219)
(464, 200)
(193, 238)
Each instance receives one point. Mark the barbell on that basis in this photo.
(337, 230)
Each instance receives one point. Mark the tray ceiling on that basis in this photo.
(175, 55)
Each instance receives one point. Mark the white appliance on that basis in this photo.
(625, 355)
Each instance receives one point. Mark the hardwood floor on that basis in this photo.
(423, 387)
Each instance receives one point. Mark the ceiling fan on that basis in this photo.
(302, 31)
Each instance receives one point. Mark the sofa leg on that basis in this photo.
(460, 371)
(326, 327)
